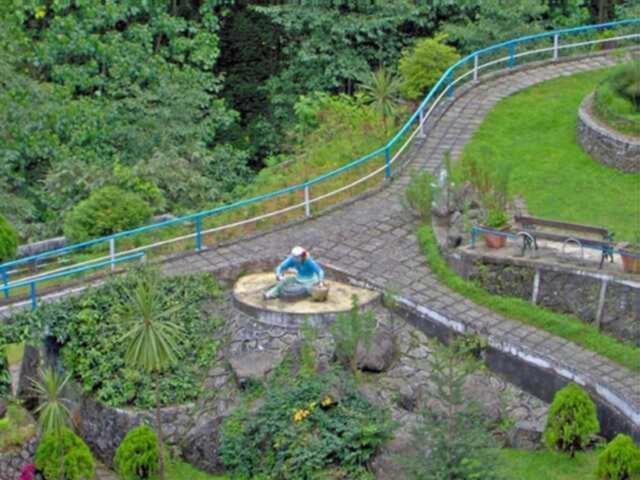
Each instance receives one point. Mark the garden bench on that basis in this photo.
(585, 236)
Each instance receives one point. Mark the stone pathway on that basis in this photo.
(375, 239)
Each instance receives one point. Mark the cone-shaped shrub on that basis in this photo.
(572, 420)
(61, 454)
(137, 455)
(620, 460)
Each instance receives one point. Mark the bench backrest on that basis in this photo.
(555, 226)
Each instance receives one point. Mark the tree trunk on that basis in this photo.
(159, 431)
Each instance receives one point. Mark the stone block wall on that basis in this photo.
(12, 462)
(597, 298)
(604, 144)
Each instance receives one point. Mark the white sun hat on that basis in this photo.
(297, 251)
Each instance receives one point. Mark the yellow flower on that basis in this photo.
(41, 12)
(300, 415)
(327, 401)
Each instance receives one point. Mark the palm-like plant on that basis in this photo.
(152, 340)
(54, 414)
(53, 410)
(382, 90)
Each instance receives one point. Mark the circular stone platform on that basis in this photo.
(248, 297)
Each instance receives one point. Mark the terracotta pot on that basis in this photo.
(630, 264)
(495, 241)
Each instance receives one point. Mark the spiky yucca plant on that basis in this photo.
(152, 339)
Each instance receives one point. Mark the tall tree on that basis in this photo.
(152, 340)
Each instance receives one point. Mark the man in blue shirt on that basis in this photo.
(308, 273)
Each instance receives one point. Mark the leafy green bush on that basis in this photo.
(107, 210)
(305, 426)
(8, 240)
(64, 456)
(620, 460)
(137, 455)
(418, 195)
(422, 65)
(16, 427)
(90, 329)
(572, 420)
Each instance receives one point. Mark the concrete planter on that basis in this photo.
(630, 261)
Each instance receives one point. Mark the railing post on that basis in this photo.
(5, 281)
(307, 204)
(421, 119)
(387, 162)
(475, 67)
(449, 84)
(474, 234)
(198, 234)
(556, 46)
(32, 289)
(512, 55)
(112, 253)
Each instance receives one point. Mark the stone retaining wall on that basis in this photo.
(12, 462)
(612, 303)
(604, 144)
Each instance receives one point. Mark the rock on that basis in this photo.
(525, 435)
(455, 233)
(385, 464)
(252, 366)
(479, 389)
(380, 355)
(201, 444)
(28, 373)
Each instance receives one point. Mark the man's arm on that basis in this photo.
(285, 265)
(318, 270)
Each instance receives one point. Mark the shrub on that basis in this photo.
(351, 330)
(137, 455)
(305, 426)
(8, 240)
(418, 194)
(67, 451)
(422, 65)
(107, 210)
(572, 420)
(16, 427)
(620, 460)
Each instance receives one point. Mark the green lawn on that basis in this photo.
(534, 132)
(183, 471)
(543, 464)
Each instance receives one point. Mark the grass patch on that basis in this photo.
(14, 353)
(16, 428)
(526, 465)
(561, 325)
(534, 133)
(183, 471)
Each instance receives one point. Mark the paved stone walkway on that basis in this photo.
(375, 239)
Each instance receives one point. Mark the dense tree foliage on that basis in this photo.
(181, 101)
(91, 85)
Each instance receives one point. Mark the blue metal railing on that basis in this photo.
(32, 283)
(444, 86)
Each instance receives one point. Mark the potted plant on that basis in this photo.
(496, 219)
(630, 254)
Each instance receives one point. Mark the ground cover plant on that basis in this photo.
(91, 329)
(533, 133)
(315, 426)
